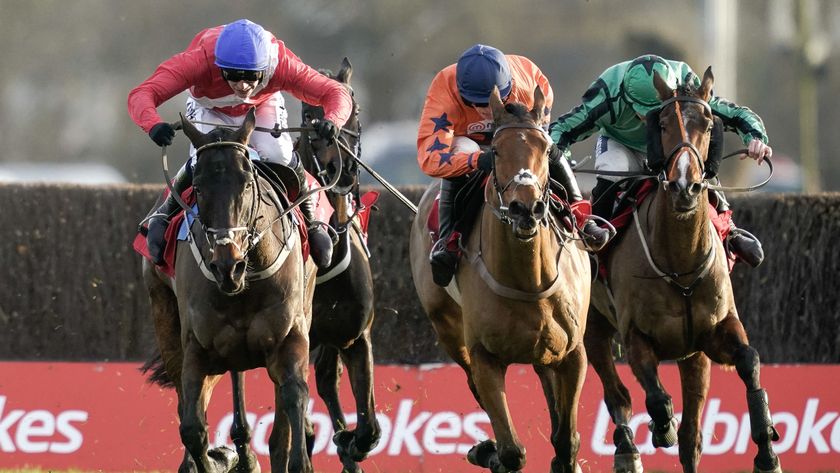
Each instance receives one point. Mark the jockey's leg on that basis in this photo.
(320, 242)
(559, 170)
(603, 198)
(742, 243)
(155, 237)
(445, 252)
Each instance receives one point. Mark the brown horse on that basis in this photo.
(241, 300)
(524, 294)
(343, 304)
(669, 296)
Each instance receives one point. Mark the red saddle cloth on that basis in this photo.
(323, 212)
(363, 216)
(721, 221)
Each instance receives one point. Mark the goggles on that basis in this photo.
(237, 75)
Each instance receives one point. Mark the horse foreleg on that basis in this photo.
(644, 363)
(562, 385)
(288, 368)
(240, 431)
(192, 404)
(489, 376)
(694, 377)
(598, 341)
(729, 345)
(359, 360)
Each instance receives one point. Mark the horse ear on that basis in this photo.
(662, 89)
(706, 84)
(244, 132)
(196, 137)
(539, 104)
(496, 104)
(346, 72)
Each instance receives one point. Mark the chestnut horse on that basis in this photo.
(242, 300)
(524, 292)
(342, 311)
(669, 296)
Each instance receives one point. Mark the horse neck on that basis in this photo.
(679, 242)
(526, 265)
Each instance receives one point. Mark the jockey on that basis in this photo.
(456, 128)
(617, 103)
(227, 70)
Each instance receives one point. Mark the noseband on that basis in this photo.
(685, 143)
(523, 178)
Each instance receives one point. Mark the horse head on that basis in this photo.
(226, 191)
(324, 159)
(520, 165)
(682, 126)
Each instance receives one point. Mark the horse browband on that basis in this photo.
(217, 144)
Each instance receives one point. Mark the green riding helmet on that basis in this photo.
(638, 86)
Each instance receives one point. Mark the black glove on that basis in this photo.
(485, 161)
(326, 130)
(162, 134)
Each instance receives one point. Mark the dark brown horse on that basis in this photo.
(343, 303)
(524, 292)
(668, 281)
(241, 300)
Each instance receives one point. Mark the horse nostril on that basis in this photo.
(239, 269)
(538, 209)
(673, 186)
(217, 273)
(695, 188)
(517, 208)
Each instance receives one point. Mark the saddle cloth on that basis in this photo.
(179, 227)
(624, 216)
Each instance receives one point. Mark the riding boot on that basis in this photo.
(603, 198)
(559, 170)
(740, 242)
(320, 243)
(155, 235)
(445, 252)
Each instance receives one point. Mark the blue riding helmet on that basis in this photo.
(638, 82)
(479, 69)
(242, 45)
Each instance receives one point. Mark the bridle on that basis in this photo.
(225, 236)
(522, 178)
(686, 143)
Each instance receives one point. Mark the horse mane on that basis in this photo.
(688, 90)
(518, 110)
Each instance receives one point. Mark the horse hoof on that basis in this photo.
(249, 465)
(345, 440)
(666, 437)
(480, 454)
(224, 458)
(774, 467)
(628, 463)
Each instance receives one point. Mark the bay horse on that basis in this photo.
(524, 291)
(669, 296)
(342, 312)
(241, 300)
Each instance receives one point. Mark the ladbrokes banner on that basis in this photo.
(104, 417)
